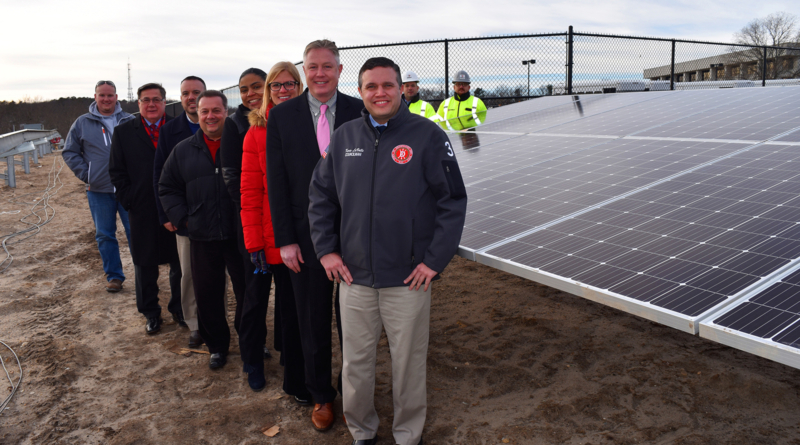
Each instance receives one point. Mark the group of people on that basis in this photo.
(303, 187)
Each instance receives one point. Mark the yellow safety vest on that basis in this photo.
(422, 108)
(458, 115)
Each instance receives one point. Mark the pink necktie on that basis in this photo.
(323, 131)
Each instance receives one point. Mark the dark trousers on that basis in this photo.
(257, 287)
(313, 293)
(253, 327)
(209, 261)
(294, 381)
(146, 282)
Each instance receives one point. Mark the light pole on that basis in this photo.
(529, 63)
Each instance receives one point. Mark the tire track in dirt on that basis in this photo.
(51, 323)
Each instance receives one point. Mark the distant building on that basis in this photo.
(736, 65)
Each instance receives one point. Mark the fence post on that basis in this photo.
(764, 69)
(569, 60)
(672, 68)
(446, 67)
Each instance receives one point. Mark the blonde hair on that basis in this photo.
(322, 44)
(274, 72)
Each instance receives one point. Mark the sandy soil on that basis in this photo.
(510, 361)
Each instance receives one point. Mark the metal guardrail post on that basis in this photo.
(569, 60)
(26, 162)
(10, 178)
(446, 67)
(672, 68)
(764, 69)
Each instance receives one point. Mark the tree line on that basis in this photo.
(56, 114)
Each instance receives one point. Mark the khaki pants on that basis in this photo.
(187, 288)
(405, 315)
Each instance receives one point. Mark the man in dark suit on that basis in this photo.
(174, 131)
(133, 148)
(298, 133)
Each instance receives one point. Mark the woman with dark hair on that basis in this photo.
(283, 83)
(251, 90)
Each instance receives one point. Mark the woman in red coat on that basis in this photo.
(283, 83)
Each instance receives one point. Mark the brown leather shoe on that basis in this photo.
(114, 286)
(322, 416)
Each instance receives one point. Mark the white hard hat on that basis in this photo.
(410, 76)
(461, 76)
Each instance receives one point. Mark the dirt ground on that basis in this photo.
(510, 361)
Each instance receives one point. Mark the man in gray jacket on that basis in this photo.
(387, 207)
(86, 152)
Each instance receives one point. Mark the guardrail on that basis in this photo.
(27, 144)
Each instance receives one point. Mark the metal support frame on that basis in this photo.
(24, 149)
(764, 69)
(9, 176)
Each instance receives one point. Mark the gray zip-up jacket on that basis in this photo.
(401, 197)
(87, 148)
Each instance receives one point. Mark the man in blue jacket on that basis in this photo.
(174, 131)
(393, 178)
(86, 152)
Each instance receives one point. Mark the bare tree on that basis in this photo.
(779, 29)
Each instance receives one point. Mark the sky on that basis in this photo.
(55, 49)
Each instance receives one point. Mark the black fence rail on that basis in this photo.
(505, 69)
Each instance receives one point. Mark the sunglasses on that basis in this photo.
(105, 82)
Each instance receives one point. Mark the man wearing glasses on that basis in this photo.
(133, 149)
(86, 153)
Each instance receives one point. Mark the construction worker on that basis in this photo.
(411, 92)
(461, 111)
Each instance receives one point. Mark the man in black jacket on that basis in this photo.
(298, 131)
(392, 180)
(133, 148)
(174, 131)
(193, 194)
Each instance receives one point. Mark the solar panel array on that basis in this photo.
(681, 207)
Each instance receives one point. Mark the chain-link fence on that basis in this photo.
(505, 69)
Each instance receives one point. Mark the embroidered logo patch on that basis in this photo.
(402, 154)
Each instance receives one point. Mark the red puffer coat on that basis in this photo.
(256, 219)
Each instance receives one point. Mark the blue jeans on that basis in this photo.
(104, 208)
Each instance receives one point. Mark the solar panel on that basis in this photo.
(754, 117)
(520, 118)
(541, 188)
(791, 137)
(670, 206)
(641, 116)
(767, 317)
(689, 231)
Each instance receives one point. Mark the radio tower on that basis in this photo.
(130, 87)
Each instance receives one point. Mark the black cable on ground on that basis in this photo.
(53, 181)
(10, 380)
